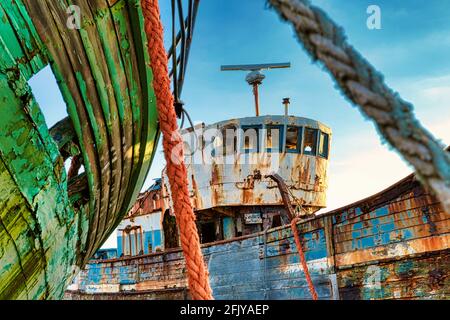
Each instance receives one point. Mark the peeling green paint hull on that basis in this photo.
(51, 224)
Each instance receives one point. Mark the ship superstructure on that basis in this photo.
(248, 178)
(229, 164)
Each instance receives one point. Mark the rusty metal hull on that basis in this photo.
(392, 245)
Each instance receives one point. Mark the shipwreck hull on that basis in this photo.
(52, 223)
(393, 245)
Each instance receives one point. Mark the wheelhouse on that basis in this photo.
(229, 164)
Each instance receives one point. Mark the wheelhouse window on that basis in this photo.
(250, 139)
(310, 141)
(213, 145)
(229, 140)
(274, 138)
(293, 139)
(323, 145)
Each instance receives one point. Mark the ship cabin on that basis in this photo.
(229, 164)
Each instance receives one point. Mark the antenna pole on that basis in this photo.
(255, 93)
(255, 77)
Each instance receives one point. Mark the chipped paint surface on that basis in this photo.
(250, 275)
(393, 245)
(49, 224)
(239, 179)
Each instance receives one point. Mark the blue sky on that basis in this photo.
(411, 50)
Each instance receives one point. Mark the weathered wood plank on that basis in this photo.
(40, 231)
(20, 40)
(407, 278)
(399, 219)
(111, 44)
(129, 105)
(148, 113)
(390, 237)
(94, 73)
(67, 56)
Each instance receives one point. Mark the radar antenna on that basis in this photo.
(255, 77)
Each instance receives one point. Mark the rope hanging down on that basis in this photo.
(364, 86)
(176, 170)
(298, 244)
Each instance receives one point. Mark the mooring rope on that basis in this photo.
(325, 41)
(301, 254)
(197, 272)
(358, 80)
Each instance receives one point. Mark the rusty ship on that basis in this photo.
(66, 188)
(248, 178)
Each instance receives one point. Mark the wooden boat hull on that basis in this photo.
(393, 245)
(51, 224)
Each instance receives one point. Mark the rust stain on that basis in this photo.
(247, 188)
(216, 183)
(197, 200)
(436, 279)
(415, 246)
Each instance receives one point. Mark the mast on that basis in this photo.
(255, 77)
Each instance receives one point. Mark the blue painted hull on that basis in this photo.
(393, 245)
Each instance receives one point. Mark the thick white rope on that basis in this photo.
(325, 41)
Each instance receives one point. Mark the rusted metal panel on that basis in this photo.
(165, 294)
(411, 222)
(259, 266)
(239, 179)
(393, 245)
(342, 264)
(425, 277)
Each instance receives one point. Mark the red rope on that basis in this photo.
(176, 171)
(302, 258)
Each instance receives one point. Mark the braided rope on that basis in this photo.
(298, 243)
(172, 140)
(324, 40)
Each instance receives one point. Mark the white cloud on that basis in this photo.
(431, 100)
(111, 242)
(363, 172)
